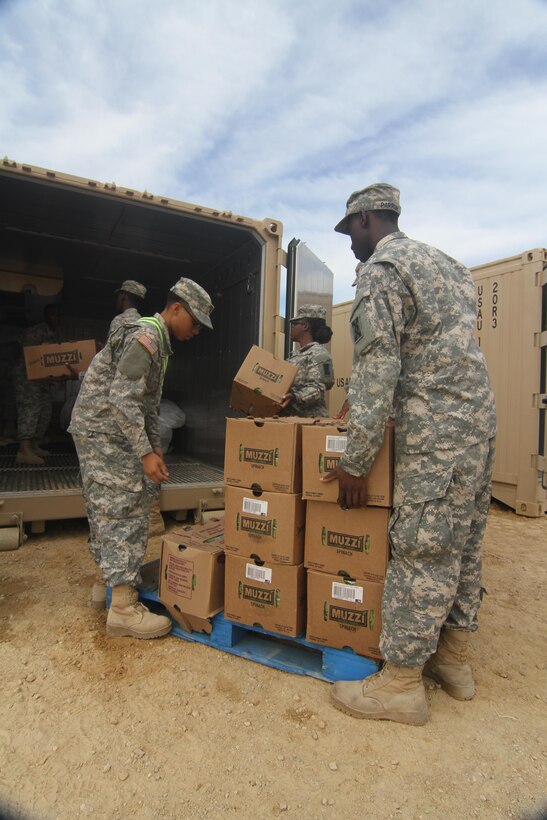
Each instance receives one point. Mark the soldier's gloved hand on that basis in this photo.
(154, 467)
(352, 490)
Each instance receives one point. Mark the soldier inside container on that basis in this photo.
(307, 396)
(115, 425)
(129, 304)
(33, 398)
(414, 351)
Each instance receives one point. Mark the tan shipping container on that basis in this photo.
(511, 329)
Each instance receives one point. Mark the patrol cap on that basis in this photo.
(131, 286)
(310, 312)
(197, 299)
(377, 197)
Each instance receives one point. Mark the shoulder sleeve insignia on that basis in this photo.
(148, 343)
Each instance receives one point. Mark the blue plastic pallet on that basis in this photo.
(294, 655)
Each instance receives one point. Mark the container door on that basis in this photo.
(542, 443)
(309, 282)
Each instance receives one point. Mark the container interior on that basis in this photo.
(89, 242)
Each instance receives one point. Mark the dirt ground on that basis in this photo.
(120, 728)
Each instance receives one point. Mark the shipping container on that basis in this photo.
(72, 241)
(511, 329)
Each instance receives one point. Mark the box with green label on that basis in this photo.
(260, 383)
(265, 453)
(344, 613)
(351, 542)
(267, 526)
(272, 596)
(323, 444)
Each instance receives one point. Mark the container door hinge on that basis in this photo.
(540, 401)
(540, 339)
(541, 278)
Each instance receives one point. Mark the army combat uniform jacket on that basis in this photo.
(415, 356)
(128, 317)
(315, 376)
(121, 391)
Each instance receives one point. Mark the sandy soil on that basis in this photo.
(118, 728)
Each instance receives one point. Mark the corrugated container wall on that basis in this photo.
(511, 329)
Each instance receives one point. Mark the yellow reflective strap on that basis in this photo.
(151, 320)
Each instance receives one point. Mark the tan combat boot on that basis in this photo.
(395, 693)
(156, 524)
(26, 454)
(128, 617)
(449, 667)
(38, 450)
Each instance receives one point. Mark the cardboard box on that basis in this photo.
(42, 361)
(272, 596)
(348, 542)
(322, 447)
(260, 383)
(267, 526)
(191, 583)
(342, 614)
(195, 535)
(265, 453)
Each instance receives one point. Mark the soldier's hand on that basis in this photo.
(154, 467)
(285, 401)
(352, 490)
(344, 410)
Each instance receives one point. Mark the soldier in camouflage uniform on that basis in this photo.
(33, 398)
(315, 371)
(129, 300)
(129, 303)
(115, 425)
(415, 356)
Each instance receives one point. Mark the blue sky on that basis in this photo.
(283, 109)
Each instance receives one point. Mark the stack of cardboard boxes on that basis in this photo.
(294, 560)
(346, 551)
(264, 524)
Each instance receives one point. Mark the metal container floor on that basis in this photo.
(61, 473)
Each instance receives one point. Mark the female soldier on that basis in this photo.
(315, 372)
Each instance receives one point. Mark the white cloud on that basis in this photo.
(283, 109)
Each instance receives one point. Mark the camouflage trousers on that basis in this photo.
(33, 408)
(117, 496)
(433, 579)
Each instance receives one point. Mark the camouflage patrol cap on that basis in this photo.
(310, 312)
(197, 299)
(377, 197)
(131, 286)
